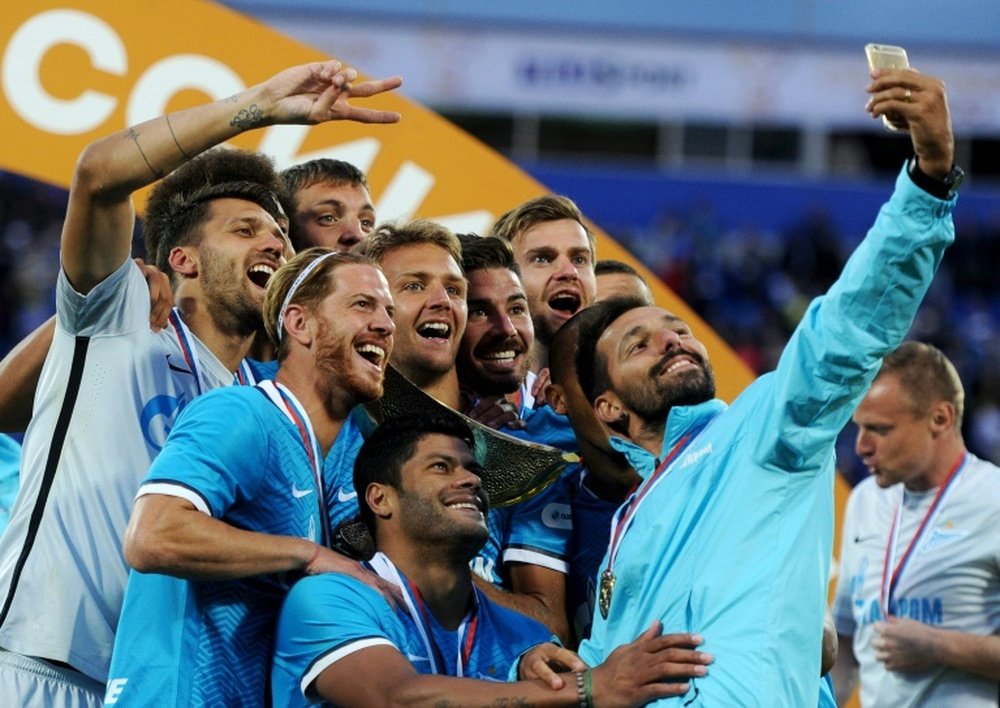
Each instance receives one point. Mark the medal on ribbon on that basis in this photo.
(604, 594)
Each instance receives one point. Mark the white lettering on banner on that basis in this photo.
(282, 142)
(21, 76)
(159, 83)
(408, 188)
(168, 77)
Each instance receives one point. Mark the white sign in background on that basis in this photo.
(505, 70)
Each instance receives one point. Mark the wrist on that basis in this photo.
(307, 567)
(938, 181)
(584, 689)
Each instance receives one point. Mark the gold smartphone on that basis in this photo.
(887, 56)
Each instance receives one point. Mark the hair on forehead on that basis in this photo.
(486, 253)
(391, 445)
(591, 365)
(540, 210)
(309, 292)
(179, 203)
(926, 377)
(392, 235)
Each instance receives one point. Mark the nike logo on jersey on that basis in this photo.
(299, 493)
(177, 368)
(343, 496)
(866, 537)
(415, 657)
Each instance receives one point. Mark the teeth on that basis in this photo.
(262, 268)
(371, 349)
(437, 328)
(501, 356)
(679, 364)
(464, 505)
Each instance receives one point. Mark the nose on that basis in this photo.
(382, 322)
(468, 479)
(276, 244)
(863, 444)
(351, 233)
(437, 297)
(565, 269)
(501, 325)
(667, 339)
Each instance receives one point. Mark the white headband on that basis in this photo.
(295, 286)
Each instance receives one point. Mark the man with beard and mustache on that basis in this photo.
(236, 500)
(526, 550)
(731, 531)
(110, 387)
(446, 643)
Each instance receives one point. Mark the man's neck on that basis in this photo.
(539, 357)
(444, 582)
(326, 412)
(443, 387)
(227, 348)
(647, 435)
(947, 454)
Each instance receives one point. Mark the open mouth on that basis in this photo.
(372, 353)
(434, 330)
(259, 274)
(467, 507)
(565, 303)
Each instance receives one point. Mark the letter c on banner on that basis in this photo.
(167, 77)
(22, 62)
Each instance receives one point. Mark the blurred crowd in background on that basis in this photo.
(751, 286)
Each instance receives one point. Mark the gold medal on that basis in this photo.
(607, 587)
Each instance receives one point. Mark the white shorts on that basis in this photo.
(29, 682)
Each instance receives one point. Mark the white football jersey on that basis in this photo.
(108, 395)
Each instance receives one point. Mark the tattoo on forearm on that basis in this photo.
(172, 135)
(248, 118)
(134, 135)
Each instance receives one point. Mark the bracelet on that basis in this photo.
(312, 558)
(581, 690)
(589, 689)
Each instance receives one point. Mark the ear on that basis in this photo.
(942, 417)
(554, 396)
(610, 409)
(183, 260)
(380, 499)
(298, 325)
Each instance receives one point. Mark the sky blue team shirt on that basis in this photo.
(734, 541)
(238, 457)
(330, 616)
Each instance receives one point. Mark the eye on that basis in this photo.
(368, 224)
(581, 260)
(477, 312)
(540, 258)
(455, 291)
(440, 466)
(412, 286)
(327, 219)
(518, 310)
(363, 304)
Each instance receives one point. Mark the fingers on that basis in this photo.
(375, 86)
(161, 295)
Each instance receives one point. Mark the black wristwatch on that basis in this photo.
(944, 188)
